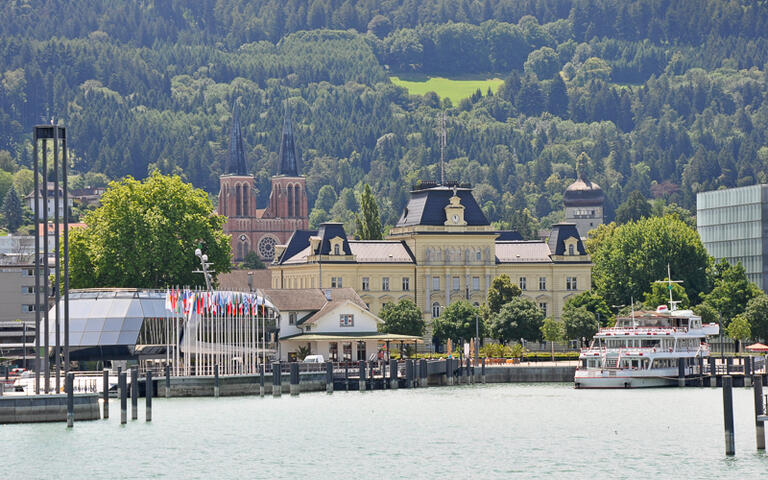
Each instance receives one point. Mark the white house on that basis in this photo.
(52, 193)
(334, 323)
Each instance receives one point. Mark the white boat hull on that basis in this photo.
(619, 379)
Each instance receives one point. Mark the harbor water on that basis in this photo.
(474, 431)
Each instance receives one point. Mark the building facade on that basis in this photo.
(52, 193)
(441, 250)
(733, 225)
(260, 229)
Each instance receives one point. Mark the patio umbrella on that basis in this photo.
(757, 347)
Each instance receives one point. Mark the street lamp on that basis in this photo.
(205, 264)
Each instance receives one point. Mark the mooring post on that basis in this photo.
(105, 391)
(728, 364)
(730, 440)
(295, 378)
(261, 380)
(123, 385)
(482, 370)
(371, 375)
(759, 411)
(423, 372)
(346, 375)
(134, 393)
(448, 378)
(701, 371)
(681, 372)
(712, 372)
(469, 371)
(148, 396)
(70, 386)
(409, 374)
(216, 380)
(329, 377)
(393, 376)
(361, 378)
(747, 372)
(277, 382)
(167, 381)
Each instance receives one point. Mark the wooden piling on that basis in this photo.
(277, 381)
(409, 374)
(148, 397)
(730, 439)
(361, 378)
(167, 381)
(423, 372)
(105, 392)
(216, 381)
(393, 377)
(70, 386)
(712, 372)
(329, 377)
(449, 372)
(701, 371)
(123, 385)
(759, 411)
(681, 372)
(482, 370)
(135, 393)
(295, 387)
(261, 380)
(346, 375)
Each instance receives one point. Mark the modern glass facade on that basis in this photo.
(733, 224)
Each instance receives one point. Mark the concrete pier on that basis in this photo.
(48, 408)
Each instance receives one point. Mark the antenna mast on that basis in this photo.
(443, 141)
(669, 282)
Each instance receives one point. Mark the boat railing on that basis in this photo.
(643, 330)
(635, 350)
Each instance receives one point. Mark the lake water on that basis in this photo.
(475, 431)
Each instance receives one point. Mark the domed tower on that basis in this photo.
(583, 201)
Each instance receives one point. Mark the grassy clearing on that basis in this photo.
(445, 87)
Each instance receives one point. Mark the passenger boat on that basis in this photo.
(642, 350)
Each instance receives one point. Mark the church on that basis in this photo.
(261, 229)
(441, 250)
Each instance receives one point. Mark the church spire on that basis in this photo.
(288, 160)
(236, 160)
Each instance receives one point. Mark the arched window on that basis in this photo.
(296, 201)
(245, 200)
(336, 249)
(570, 249)
(240, 253)
(290, 200)
(237, 201)
(435, 310)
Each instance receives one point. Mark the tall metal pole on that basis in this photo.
(37, 262)
(46, 280)
(57, 259)
(66, 249)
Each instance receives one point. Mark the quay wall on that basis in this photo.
(234, 385)
(47, 408)
(530, 374)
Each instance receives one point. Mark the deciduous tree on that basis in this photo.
(517, 318)
(579, 323)
(367, 220)
(403, 318)
(145, 234)
(457, 322)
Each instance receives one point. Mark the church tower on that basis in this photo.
(289, 190)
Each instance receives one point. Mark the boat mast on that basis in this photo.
(669, 282)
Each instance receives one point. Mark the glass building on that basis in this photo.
(733, 224)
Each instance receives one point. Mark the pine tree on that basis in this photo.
(12, 210)
(368, 221)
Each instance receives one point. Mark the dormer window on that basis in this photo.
(570, 249)
(337, 250)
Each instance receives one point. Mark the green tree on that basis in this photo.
(403, 318)
(253, 261)
(326, 198)
(553, 331)
(593, 302)
(579, 323)
(517, 318)
(634, 208)
(627, 258)
(501, 291)
(757, 315)
(12, 210)
(707, 313)
(739, 329)
(659, 295)
(145, 234)
(544, 62)
(457, 322)
(367, 221)
(732, 291)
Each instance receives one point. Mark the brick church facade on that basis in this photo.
(260, 229)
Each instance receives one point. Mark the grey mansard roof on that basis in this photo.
(427, 207)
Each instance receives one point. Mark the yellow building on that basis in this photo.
(441, 250)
